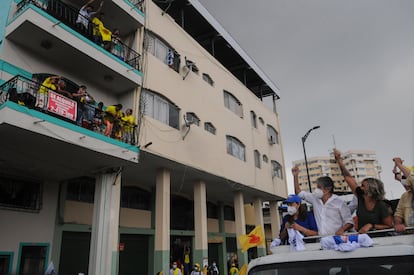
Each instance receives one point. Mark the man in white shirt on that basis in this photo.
(86, 14)
(332, 215)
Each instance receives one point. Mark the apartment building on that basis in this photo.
(204, 143)
(360, 163)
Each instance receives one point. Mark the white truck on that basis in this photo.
(387, 255)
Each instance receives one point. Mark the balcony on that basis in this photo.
(50, 33)
(52, 129)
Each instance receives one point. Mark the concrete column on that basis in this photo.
(103, 257)
(240, 224)
(162, 222)
(258, 215)
(274, 219)
(223, 252)
(200, 250)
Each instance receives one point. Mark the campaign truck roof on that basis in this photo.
(387, 255)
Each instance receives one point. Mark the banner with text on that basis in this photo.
(62, 105)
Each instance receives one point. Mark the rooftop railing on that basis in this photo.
(33, 95)
(69, 16)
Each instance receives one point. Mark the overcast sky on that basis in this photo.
(346, 65)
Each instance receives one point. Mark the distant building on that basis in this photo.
(360, 163)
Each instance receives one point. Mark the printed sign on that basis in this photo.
(61, 105)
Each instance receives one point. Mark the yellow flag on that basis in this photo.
(105, 33)
(243, 270)
(254, 238)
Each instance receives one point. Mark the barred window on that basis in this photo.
(81, 189)
(135, 198)
(20, 194)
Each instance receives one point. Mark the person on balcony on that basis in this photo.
(86, 14)
(85, 110)
(128, 124)
(98, 118)
(101, 35)
(115, 45)
(54, 83)
(112, 117)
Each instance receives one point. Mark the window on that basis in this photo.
(212, 211)
(20, 194)
(6, 262)
(208, 79)
(135, 198)
(253, 118)
(81, 189)
(32, 259)
(265, 159)
(276, 169)
(272, 135)
(159, 108)
(257, 158)
(233, 104)
(162, 51)
(229, 213)
(209, 127)
(192, 118)
(235, 148)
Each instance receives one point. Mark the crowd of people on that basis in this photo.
(110, 120)
(333, 216)
(179, 269)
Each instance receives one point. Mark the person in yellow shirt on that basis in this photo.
(233, 270)
(111, 118)
(128, 123)
(101, 35)
(175, 270)
(54, 83)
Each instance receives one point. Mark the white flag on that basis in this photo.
(296, 240)
(50, 269)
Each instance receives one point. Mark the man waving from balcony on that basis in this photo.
(86, 14)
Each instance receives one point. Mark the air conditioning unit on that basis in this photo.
(189, 119)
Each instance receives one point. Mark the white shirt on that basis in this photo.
(84, 17)
(329, 216)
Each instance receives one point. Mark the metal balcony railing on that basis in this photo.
(68, 16)
(33, 95)
(139, 4)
